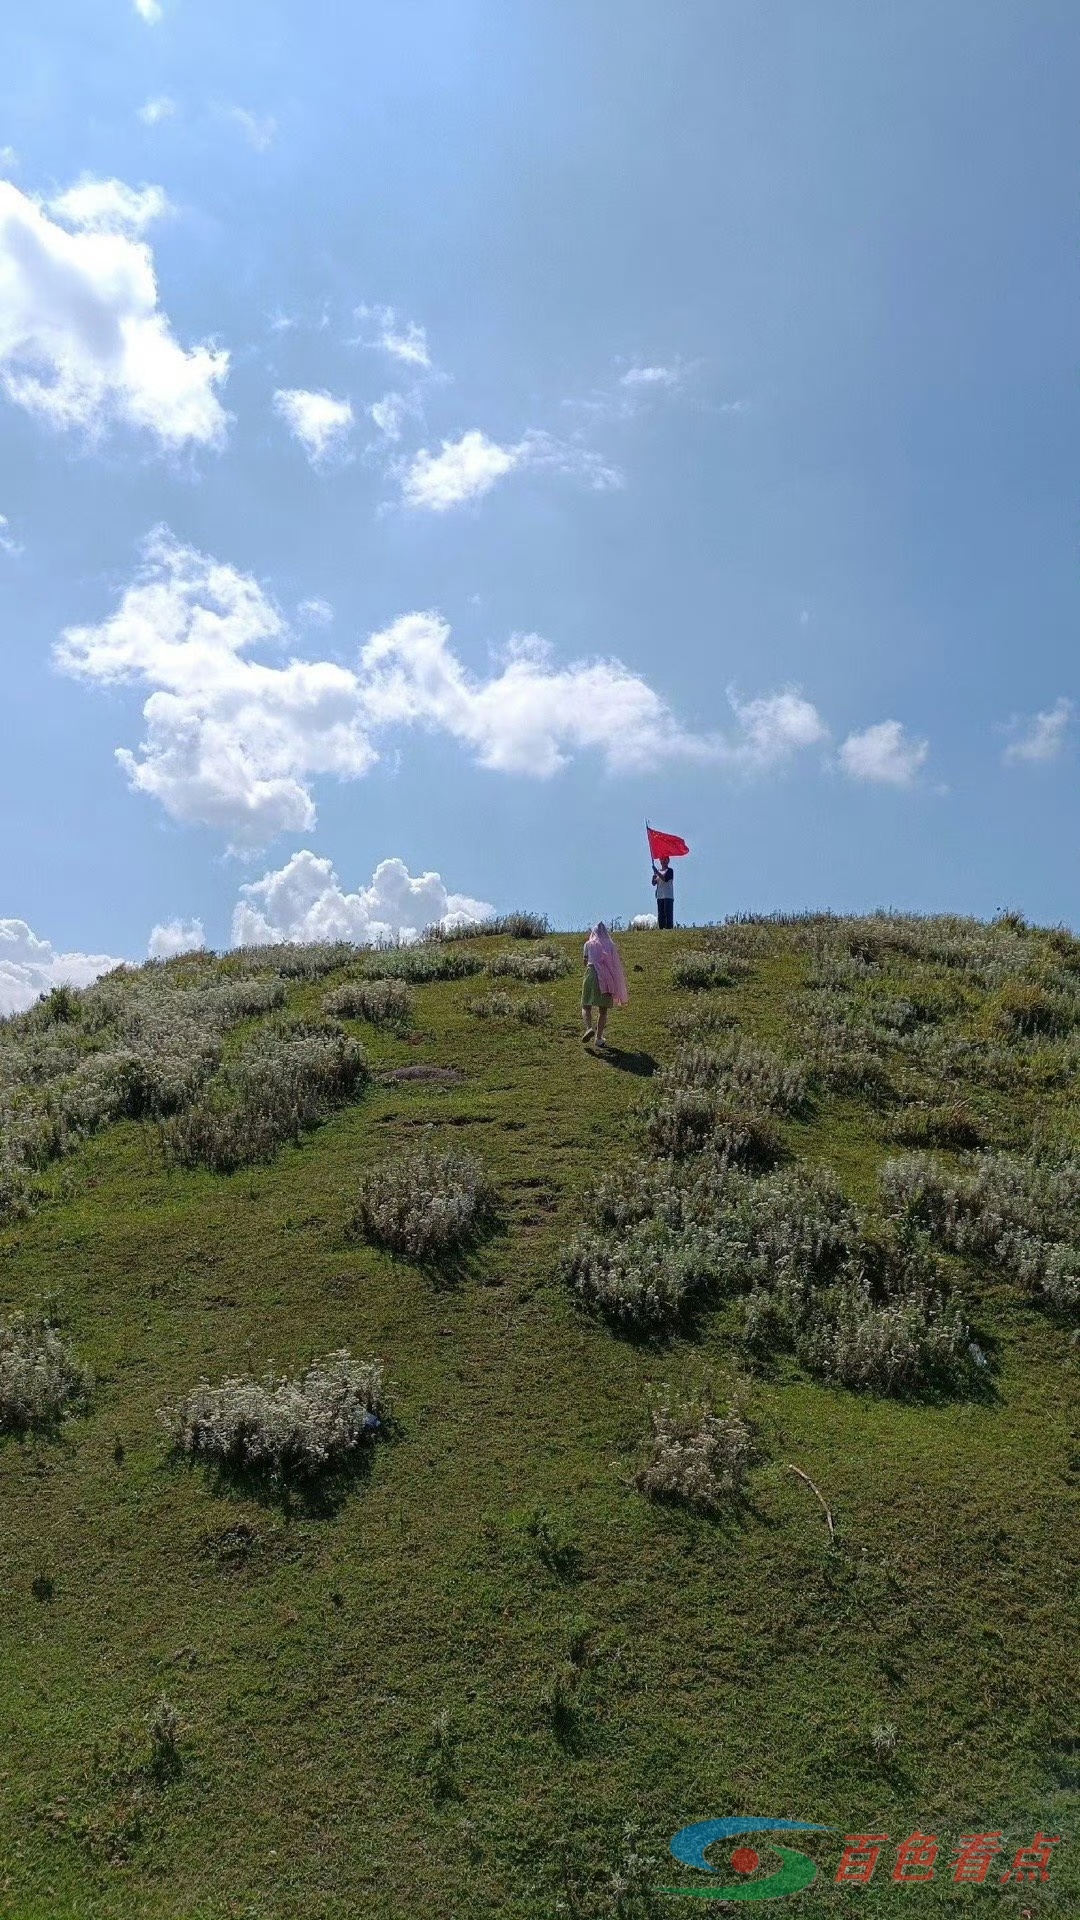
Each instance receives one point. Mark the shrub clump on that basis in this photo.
(421, 964)
(529, 1009)
(518, 925)
(643, 1279)
(694, 1120)
(742, 1074)
(1020, 1212)
(40, 1378)
(896, 1346)
(287, 1080)
(137, 1045)
(701, 1019)
(536, 964)
(855, 1306)
(425, 1204)
(1026, 1008)
(382, 1003)
(953, 1125)
(281, 1425)
(20, 1190)
(701, 972)
(697, 1458)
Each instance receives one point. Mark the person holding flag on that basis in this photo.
(663, 847)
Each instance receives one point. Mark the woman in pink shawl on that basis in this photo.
(604, 985)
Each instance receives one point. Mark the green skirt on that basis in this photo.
(591, 995)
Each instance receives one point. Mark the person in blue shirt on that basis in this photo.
(663, 880)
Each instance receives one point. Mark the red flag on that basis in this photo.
(661, 843)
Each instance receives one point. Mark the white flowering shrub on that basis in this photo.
(834, 969)
(1028, 1007)
(698, 972)
(289, 961)
(684, 1121)
(636, 1191)
(382, 1003)
(19, 1187)
(421, 964)
(40, 1378)
(744, 936)
(845, 1051)
(136, 1045)
(425, 1204)
(518, 925)
(953, 1125)
(1019, 1212)
(701, 1019)
(792, 1229)
(221, 1139)
(742, 1073)
(280, 1425)
(644, 1278)
(536, 964)
(697, 1458)
(126, 1086)
(285, 1081)
(987, 953)
(860, 1308)
(896, 1347)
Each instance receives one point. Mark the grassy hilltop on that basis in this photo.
(554, 1590)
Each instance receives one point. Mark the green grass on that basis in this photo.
(396, 1697)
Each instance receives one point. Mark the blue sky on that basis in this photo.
(723, 463)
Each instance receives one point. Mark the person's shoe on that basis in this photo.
(586, 1036)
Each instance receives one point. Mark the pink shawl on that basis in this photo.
(602, 953)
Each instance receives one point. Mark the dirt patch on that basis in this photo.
(434, 1076)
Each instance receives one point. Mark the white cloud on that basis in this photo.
(153, 112)
(108, 206)
(30, 967)
(258, 129)
(315, 612)
(1041, 737)
(468, 468)
(402, 339)
(8, 157)
(304, 901)
(82, 339)
(149, 10)
(465, 469)
(320, 423)
(628, 389)
(651, 377)
(883, 753)
(389, 414)
(236, 744)
(282, 322)
(230, 743)
(8, 542)
(775, 726)
(170, 937)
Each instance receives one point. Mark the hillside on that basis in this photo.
(474, 1669)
